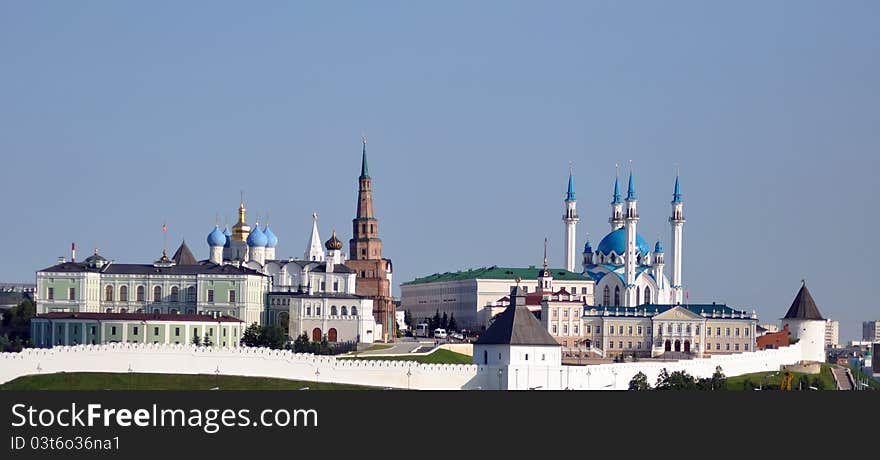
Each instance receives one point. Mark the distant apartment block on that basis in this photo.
(871, 331)
(832, 333)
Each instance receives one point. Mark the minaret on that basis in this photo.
(616, 219)
(657, 266)
(570, 218)
(677, 223)
(630, 220)
(314, 250)
(588, 254)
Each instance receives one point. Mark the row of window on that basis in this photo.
(140, 294)
(136, 330)
(572, 290)
(639, 330)
(736, 346)
(333, 311)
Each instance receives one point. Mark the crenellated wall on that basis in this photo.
(262, 362)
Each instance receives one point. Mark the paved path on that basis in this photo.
(842, 379)
(397, 348)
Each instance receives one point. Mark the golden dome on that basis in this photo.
(240, 230)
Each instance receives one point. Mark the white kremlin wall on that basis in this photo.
(261, 362)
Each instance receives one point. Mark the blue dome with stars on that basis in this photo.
(658, 248)
(228, 234)
(588, 248)
(616, 242)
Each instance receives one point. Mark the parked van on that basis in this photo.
(422, 330)
(439, 333)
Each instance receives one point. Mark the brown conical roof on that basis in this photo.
(183, 256)
(804, 307)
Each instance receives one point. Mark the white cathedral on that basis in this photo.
(314, 295)
(627, 273)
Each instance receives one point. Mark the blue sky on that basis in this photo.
(118, 115)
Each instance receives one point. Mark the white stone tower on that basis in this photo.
(631, 218)
(676, 220)
(570, 218)
(657, 268)
(806, 324)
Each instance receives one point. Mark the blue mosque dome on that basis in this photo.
(216, 238)
(588, 248)
(616, 242)
(271, 239)
(658, 248)
(228, 234)
(257, 238)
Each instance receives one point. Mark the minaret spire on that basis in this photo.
(545, 253)
(616, 219)
(631, 219)
(570, 220)
(676, 221)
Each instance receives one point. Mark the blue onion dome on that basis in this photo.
(257, 238)
(216, 238)
(616, 242)
(228, 234)
(271, 239)
(658, 248)
(588, 248)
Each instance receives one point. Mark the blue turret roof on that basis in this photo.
(616, 242)
(676, 194)
(588, 248)
(631, 190)
(616, 196)
(257, 238)
(271, 239)
(658, 248)
(216, 238)
(570, 195)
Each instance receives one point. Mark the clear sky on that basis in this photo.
(115, 116)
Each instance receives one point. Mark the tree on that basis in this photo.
(678, 380)
(196, 340)
(408, 319)
(444, 321)
(819, 383)
(16, 323)
(207, 341)
(718, 380)
(251, 336)
(435, 321)
(453, 326)
(639, 382)
(301, 344)
(272, 336)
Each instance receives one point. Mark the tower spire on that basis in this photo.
(570, 195)
(365, 170)
(676, 192)
(616, 196)
(545, 253)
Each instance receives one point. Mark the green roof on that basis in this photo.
(499, 273)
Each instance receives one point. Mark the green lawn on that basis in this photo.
(773, 379)
(136, 381)
(440, 356)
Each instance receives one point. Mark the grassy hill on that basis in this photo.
(772, 380)
(136, 381)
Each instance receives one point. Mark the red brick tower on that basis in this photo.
(365, 256)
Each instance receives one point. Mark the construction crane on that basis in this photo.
(785, 385)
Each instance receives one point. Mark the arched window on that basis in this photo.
(333, 310)
(638, 297)
(191, 294)
(344, 311)
(606, 296)
(109, 310)
(284, 320)
(175, 293)
(123, 310)
(354, 311)
(157, 294)
(647, 294)
(316, 335)
(331, 335)
(140, 294)
(688, 329)
(616, 295)
(679, 328)
(156, 311)
(123, 294)
(108, 293)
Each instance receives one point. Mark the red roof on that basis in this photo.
(139, 317)
(535, 298)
